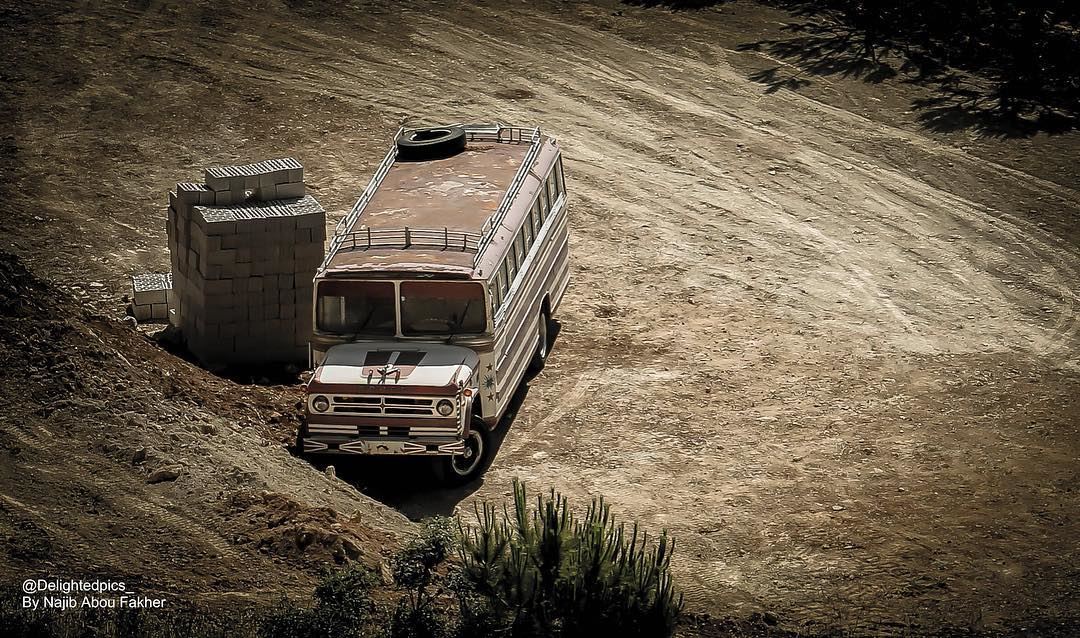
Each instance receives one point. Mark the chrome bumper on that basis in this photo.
(381, 447)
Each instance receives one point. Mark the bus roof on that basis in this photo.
(432, 216)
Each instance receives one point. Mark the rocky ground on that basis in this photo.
(827, 341)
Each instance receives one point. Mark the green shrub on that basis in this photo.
(416, 614)
(343, 609)
(540, 571)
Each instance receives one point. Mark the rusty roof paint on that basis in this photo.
(458, 193)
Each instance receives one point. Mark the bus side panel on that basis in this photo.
(516, 338)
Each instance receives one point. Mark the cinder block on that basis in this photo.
(141, 312)
(255, 284)
(243, 255)
(309, 251)
(224, 256)
(296, 175)
(221, 228)
(241, 270)
(159, 311)
(238, 186)
(290, 191)
(217, 183)
(220, 286)
(311, 220)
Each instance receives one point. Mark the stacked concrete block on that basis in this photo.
(152, 296)
(245, 247)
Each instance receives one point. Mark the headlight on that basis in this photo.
(445, 407)
(320, 403)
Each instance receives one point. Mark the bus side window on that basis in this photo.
(544, 201)
(560, 179)
(553, 194)
(522, 247)
(512, 260)
(537, 217)
(496, 298)
(504, 280)
(528, 232)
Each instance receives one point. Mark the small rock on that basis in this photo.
(352, 550)
(136, 421)
(330, 472)
(166, 473)
(96, 284)
(837, 508)
(130, 322)
(138, 456)
(385, 575)
(275, 417)
(207, 428)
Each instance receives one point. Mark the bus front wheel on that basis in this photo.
(463, 468)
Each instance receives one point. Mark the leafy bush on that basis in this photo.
(540, 571)
(536, 571)
(343, 609)
(416, 615)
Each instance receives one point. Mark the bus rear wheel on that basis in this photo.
(540, 357)
(464, 468)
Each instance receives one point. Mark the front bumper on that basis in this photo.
(382, 446)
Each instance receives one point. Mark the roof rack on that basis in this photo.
(445, 239)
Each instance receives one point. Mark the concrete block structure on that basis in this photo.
(152, 296)
(245, 246)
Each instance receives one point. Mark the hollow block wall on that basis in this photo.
(245, 246)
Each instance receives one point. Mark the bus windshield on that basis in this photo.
(442, 308)
(356, 308)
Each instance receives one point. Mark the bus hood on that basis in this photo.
(406, 366)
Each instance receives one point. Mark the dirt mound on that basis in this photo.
(120, 460)
(283, 527)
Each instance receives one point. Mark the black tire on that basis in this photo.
(465, 468)
(301, 432)
(540, 356)
(431, 143)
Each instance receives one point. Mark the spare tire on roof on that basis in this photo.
(431, 143)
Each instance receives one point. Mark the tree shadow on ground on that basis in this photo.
(821, 49)
(963, 103)
(960, 101)
(675, 5)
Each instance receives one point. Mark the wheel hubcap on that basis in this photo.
(466, 462)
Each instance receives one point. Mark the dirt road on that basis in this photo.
(837, 358)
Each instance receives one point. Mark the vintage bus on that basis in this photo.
(436, 296)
